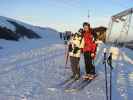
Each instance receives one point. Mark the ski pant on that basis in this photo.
(89, 67)
(75, 65)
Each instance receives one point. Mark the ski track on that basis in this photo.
(29, 74)
(22, 63)
(123, 78)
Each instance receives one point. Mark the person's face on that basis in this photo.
(86, 28)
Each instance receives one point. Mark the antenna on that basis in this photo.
(88, 15)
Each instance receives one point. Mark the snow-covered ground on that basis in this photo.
(28, 69)
(27, 73)
(13, 47)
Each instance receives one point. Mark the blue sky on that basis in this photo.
(63, 14)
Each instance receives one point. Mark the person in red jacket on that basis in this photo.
(89, 51)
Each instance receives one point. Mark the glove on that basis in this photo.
(81, 50)
(93, 56)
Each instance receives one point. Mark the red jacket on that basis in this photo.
(89, 45)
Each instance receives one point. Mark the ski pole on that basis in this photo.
(111, 68)
(66, 56)
(106, 81)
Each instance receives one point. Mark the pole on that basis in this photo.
(110, 84)
(111, 68)
(106, 81)
(88, 15)
(66, 56)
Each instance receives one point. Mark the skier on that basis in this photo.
(60, 35)
(74, 48)
(89, 51)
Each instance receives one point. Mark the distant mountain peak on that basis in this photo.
(13, 29)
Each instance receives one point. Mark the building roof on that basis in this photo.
(99, 29)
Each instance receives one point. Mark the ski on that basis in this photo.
(79, 86)
(64, 82)
(69, 84)
(62, 85)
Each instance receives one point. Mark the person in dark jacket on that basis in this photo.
(60, 35)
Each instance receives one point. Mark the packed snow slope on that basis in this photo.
(28, 75)
(28, 68)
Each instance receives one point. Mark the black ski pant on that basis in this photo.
(89, 67)
(75, 65)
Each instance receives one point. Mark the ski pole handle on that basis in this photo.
(109, 61)
(104, 56)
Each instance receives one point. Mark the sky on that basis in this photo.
(63, 15)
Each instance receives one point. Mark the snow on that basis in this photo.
(27, 75)
(29, 68)
(48, 34)
(5, 23)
